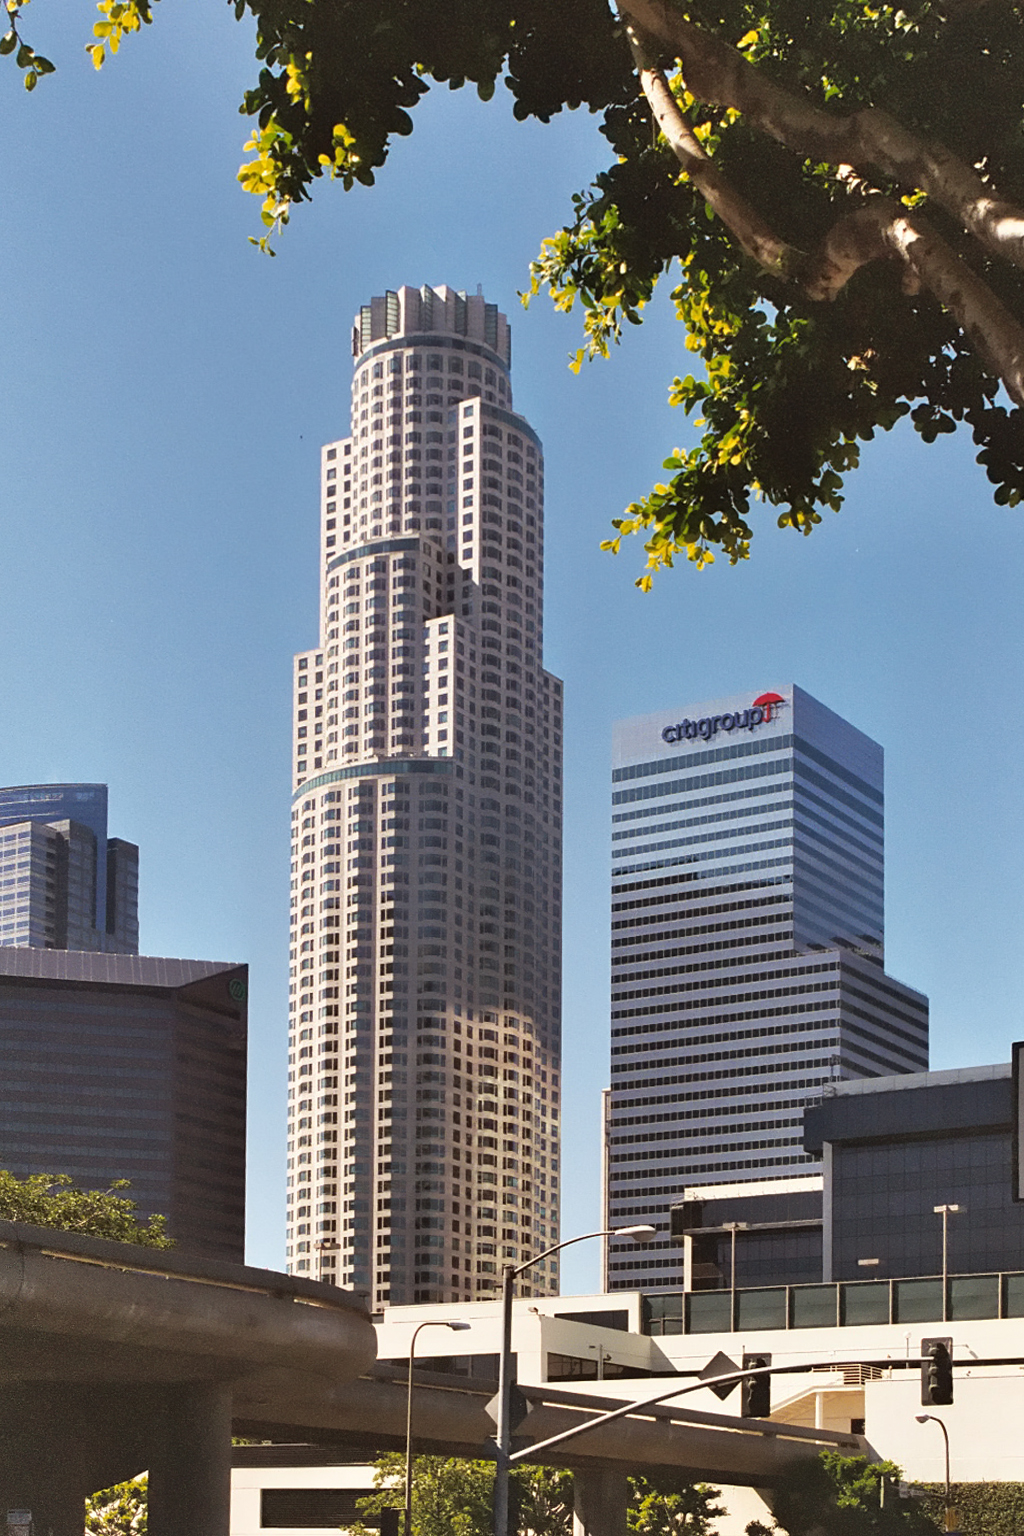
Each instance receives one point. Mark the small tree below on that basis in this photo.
(672, 1508)
(453, 1497)
(843, 1496)
(54, 1200)
(118, 1511)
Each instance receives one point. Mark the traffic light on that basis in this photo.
(936, 1372)
(756, 1391)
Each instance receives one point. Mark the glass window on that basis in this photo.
(1013, 1297)
(974, 1296)
(761, 1309)
(865, 1303)
(813, 1306)
(917, 1301)
(708, 1312)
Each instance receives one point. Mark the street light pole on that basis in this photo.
(931, 1418)
(503, 1437)
(323, 1244)
(733, 1227)
(943, 1211)
(438, 1322)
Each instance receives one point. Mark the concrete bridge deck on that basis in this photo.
(116, 1359)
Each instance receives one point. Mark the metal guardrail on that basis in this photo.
(836, 1304)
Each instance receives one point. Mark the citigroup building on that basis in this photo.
(747, 942)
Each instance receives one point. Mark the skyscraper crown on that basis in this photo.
(415, 312)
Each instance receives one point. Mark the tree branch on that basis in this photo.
(988, 325)
(755, 236)
(718, 74)
(885, 229)
(880, 229)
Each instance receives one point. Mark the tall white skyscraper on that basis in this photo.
(424, 1012)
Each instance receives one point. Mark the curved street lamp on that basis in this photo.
(931, 1418)
(503, 1438)
(434, 1322)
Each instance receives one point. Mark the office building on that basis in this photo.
(892, 1151)
(424, 1020)
(64, 884)
(130, 1067)
(747, 951)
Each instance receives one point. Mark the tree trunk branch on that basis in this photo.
(988, 325)
(880, 229)
(755, 236)
(718, 74)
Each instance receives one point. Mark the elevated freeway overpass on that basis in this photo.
(116, 1359)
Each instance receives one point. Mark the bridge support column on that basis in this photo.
(58, 1511)
(600, 1498)
(190, 1478)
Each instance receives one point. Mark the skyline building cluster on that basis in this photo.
(424, 991)
(424, 1016)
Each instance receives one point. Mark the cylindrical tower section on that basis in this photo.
(424, 1092)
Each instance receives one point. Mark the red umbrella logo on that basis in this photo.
(769, 702)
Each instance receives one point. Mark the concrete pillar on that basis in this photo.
(190, 1478)
(600, 1499)
(56, 1503)
(58, 1511)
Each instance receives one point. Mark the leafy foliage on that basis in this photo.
(986, 1509)
(449, 1495)
(830, 290)
(544, 1499)
(25, 56)
(118, 1511)
(670, 1508)
(54, 1200)
(452, 1497)
(843, 1496)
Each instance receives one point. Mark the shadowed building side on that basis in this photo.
(129, 1067)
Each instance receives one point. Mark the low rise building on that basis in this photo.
(910, 1163)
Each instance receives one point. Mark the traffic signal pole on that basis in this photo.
(729, 1378)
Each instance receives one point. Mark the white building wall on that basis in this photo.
(857, 1376)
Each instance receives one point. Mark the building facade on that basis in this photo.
(893, 1150)
(747, 951)
(129, 1067)
(64, 884)
(424, 1010)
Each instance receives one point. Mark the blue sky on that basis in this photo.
(166, 389)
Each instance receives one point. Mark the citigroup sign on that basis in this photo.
(764, 709)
